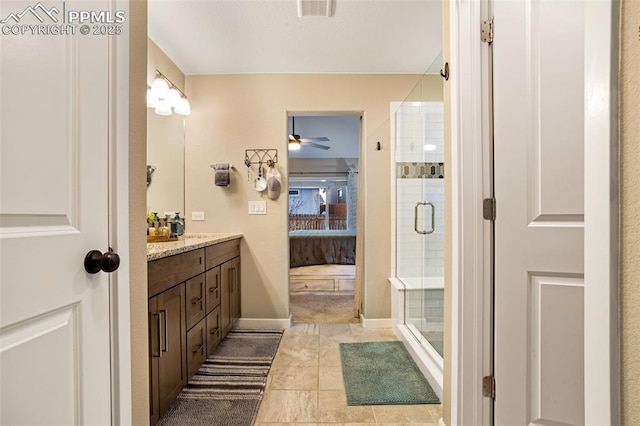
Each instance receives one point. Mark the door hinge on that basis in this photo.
(489, 387)
(489, 209)
(486, 28)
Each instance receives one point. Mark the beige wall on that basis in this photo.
(630, 209)
(137, 21)
(231, 113)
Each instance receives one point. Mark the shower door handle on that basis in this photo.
(415, 218)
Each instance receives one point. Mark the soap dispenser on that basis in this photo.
(178, 224)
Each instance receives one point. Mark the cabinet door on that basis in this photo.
(212, 280)
(196, 347)
(214, 332)
(154, 356)
(195, 300)
(172, 364)
(226, 271)
(235, 290)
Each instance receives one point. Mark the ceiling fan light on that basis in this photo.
(294, 145)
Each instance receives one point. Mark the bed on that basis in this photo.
(322, 247)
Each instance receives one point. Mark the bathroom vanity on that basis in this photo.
(194, 300)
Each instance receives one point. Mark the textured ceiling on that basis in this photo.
(266, 36)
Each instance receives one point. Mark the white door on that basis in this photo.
(539, 188)
(54, 316)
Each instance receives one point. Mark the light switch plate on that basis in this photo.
(257, 207)
(197, 215)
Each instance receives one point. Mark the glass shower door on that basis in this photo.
(419, 160)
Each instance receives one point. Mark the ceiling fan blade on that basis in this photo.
(315, 145)
(318, 139)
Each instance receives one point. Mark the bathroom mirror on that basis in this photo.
(165, 163)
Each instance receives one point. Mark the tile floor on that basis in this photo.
(305, 384)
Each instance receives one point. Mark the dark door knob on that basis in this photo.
(95, 261)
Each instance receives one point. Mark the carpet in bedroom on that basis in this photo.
(322, 308)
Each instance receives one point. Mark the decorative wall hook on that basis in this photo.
(378, 147)
(259, 156)
(445, 74)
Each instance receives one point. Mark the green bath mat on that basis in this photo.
(383, 373)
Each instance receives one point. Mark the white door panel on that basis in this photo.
(538, 105)
(54, 316)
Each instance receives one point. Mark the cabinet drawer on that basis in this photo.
(213, 288)
(220, 253)
(214, 333)
(196, 347)
(164, 273)
(195, 300)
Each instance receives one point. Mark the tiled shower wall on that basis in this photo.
(419, 177)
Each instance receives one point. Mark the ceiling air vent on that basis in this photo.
(314, 8)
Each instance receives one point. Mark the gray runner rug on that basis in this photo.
(229, 386)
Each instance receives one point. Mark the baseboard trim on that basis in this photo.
(263, 323)
(376, 322)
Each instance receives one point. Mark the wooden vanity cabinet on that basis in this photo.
(196, 347)
(214, 331)
(230, 303)
(196, 292)
(227, 255)
(167, 342)
(194, 300)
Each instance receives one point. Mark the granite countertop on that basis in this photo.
(187, 243)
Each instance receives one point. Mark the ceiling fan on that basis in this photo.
(295, 141)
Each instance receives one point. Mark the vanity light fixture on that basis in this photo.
(165, 96)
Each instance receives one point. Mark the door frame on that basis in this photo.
(470, 239)
(358, 292)
(470, 234)
(119, 283)
(601, 218)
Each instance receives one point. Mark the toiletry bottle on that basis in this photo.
(179, 224)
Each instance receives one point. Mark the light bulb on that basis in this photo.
(173, 97)
(183, 107)
(163, 107)
(151, 101)
(160, 88)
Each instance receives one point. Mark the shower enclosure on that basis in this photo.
(418, 172)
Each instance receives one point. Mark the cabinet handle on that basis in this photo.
(196, 301)
(214, 290)
(198, 349)
(214, 330)
(159, 353)
(165, 334)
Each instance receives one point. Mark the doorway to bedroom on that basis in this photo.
(324, 156)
